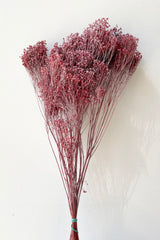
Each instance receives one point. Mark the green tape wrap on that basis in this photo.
(73, 221)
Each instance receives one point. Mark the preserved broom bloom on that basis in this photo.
(78, 85)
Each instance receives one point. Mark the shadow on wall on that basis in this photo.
(121, 157)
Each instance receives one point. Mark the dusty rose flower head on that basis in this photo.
(83, 76)
(81, 64)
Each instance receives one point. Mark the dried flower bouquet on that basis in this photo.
(78, 85)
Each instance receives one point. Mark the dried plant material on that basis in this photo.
(78, 85)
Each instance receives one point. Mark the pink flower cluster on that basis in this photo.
(76, 70)
(83, 76)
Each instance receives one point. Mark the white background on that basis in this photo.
(123, 191)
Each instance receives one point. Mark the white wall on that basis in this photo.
(123, 192)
